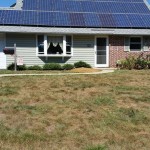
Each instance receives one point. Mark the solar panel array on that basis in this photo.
(97, 6)
(79, 13)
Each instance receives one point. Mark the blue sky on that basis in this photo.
(6, 3)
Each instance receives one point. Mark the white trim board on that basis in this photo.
(107, 51)
(82, 31)
(2, 55)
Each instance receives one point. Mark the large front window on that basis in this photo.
(54, 45)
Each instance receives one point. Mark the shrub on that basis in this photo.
(134, 63)
(20, 68)
(128, 63)
(141, 62)
(67, 67)
(148, 64)
(52, 66)
(81, 64)
(36, 67)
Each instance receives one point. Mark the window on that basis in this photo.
(68, 44)
(54, 45)
(135, 44)
(146, 43)
(40, 44)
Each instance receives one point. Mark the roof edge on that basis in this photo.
(80, 31)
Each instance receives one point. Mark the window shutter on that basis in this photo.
(146, 43)
(126, 44)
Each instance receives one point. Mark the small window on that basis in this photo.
(68, 44)
(40, 44)
(135, 44)
(146, 43)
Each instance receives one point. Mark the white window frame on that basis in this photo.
(141, 43)
(148, 49)
(54, 55)
(107, 51)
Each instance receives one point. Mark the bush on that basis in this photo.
(67, 67)
(81, 64)
(134, 63)
(20, 68)
(36, 67)
(52, 66)
(128, 63)
(148, 64)
(141, 63)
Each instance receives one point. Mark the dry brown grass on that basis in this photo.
(108, 111)
(76, 70)
(84, 70)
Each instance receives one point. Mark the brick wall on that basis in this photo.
(116, 50)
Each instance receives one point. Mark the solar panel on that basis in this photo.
(45, 5)
(30, 4)
(12, 17)
(121, 20)
(136, 20)
(92, 20)
(59, 6)
(141, 8)
(30, 18)
(77, 19)
(102, 7)
(88, 6)
(146, 20)
(1, 16)
(107, 20)
(45, 18)
(73, 6)
(79, 13)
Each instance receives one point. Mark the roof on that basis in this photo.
(79, 13)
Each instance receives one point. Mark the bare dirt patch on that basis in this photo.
(84, 70)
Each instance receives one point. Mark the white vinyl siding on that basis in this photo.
(83, 49)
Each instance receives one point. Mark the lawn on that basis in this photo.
(76, 70)
(81, 112)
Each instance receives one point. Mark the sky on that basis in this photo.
(7, 3)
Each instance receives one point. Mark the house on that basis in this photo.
(99, 32)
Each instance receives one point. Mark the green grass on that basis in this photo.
(5, 91)
(97, 148)
(104, 101)
(82, 112)
(30, 71)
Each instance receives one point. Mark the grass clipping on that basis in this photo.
(84, 70)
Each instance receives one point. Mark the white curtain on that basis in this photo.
(55, 40)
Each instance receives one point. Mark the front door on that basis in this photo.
(2, 55)
(101, 51)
